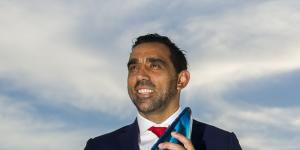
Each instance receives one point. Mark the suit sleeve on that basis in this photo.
(234, 143)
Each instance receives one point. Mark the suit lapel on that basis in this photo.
(129, 137)
(197, 135)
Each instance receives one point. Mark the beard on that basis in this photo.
(156, 102)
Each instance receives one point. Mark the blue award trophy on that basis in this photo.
(182, 125)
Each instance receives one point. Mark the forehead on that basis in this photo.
(151, 49)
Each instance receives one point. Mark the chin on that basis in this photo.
(145, 109)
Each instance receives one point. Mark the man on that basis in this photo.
(157, 72)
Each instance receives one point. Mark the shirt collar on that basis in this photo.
(145, 124)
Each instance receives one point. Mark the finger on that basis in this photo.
(170, 146)
(185, 141)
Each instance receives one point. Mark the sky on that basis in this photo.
(63, 68)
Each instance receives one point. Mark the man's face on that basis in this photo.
(152, 78)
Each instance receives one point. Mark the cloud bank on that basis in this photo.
(63, 63)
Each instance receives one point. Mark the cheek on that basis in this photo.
(167, 81)
(130, 81)
(160, 82)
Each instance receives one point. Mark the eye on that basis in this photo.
(132, 68)
(155, 66)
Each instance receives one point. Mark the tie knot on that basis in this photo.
(158, 131)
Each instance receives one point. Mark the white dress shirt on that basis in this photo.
(148, 138)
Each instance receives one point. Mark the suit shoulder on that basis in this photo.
(110, 135)
(105, 139)
(210, 128)
(215, 137)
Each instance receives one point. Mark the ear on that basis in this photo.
(183, 79)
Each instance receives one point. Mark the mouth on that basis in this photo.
(144, 92)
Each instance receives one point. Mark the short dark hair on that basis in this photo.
(177, 55)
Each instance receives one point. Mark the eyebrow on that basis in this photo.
(132, 61)
(150, 59)
(156, 60)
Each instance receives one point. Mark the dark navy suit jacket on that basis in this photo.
(204, 137)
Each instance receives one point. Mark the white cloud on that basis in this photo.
(22, 129)
(261, 128)
(261, 142)
(245, 43)
(38, 54)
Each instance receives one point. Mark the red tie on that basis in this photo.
(159, 131)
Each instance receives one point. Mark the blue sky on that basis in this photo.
(63, 68)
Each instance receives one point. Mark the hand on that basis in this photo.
(187, 144)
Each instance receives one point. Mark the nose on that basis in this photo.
(143, 74)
